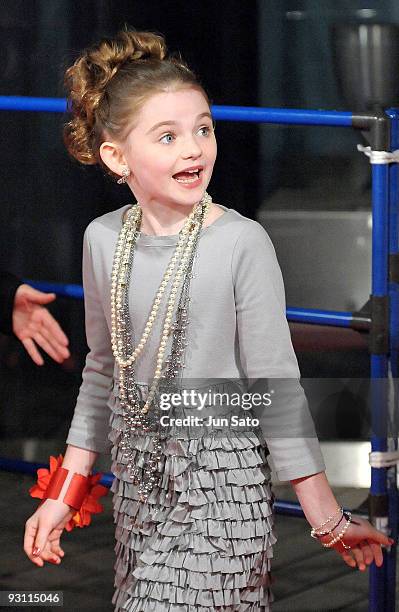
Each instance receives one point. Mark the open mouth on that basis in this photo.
(189, 176)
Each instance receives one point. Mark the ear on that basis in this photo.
(112, 157)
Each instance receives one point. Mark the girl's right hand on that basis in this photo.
(43, 531)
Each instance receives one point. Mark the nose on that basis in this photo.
(191, 148)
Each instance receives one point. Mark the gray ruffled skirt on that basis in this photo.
(204, 539)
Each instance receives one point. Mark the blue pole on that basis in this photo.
(289, 508)
(379, 370)
(282, 116)
(62, 290)
(393, 505)
(298, 315)
(322, 317)
(26, 103)
(28, 467)
(326, 317)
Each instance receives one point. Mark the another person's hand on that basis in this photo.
(365, 543)
(43, 532)
(34, 325)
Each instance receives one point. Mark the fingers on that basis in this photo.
(363, 555)
(377, 553)
(368, 553)
(366, 544)
(347, 557)
(380, 537)
(32, 351)
(53, 552)
(51, 338)
(358, 556)
(47, 346)
(373, 534)
(54, 539)
(31, 546)
(38, 297)
(57, 550)
(40, 546)
(51, 327)
(45, 340)
(29, 538)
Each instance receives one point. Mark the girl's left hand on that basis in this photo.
(365, 543)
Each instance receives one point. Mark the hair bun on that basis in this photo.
(110, 54)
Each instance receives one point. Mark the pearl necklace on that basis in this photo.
(187, 238)
(143, 468)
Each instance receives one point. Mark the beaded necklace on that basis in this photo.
(137, 417)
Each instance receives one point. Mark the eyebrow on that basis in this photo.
(161, 123)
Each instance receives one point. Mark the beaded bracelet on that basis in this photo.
(338, 538)
(315, 531)
(324, 533)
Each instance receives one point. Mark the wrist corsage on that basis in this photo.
(82, 494)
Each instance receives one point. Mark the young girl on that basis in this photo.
(178, 283)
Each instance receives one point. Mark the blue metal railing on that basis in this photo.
(25, 103)
(297, 315)
(281, 116)
(62, 290)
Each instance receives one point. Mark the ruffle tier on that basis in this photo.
(204, 539)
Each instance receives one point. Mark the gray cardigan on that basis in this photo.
(237, 330)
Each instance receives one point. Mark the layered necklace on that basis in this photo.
(137, 416)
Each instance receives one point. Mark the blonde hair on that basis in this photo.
(109, 83)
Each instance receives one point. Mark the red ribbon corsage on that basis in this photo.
(90, 504)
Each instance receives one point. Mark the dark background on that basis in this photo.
(249, 53)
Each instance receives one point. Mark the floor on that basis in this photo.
(306, 577)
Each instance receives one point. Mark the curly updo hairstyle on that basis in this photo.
(108, 84)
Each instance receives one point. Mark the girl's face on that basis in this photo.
(171, 150)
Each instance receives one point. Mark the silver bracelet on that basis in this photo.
(338, 538)
(315, 531)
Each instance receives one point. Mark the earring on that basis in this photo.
(124, 177)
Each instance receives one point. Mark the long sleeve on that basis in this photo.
(90, 424)
(8, 287)
(268, 358)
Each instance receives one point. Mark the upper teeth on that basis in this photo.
(180, 179)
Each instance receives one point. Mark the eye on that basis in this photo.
(205, 129)
(167, 138)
